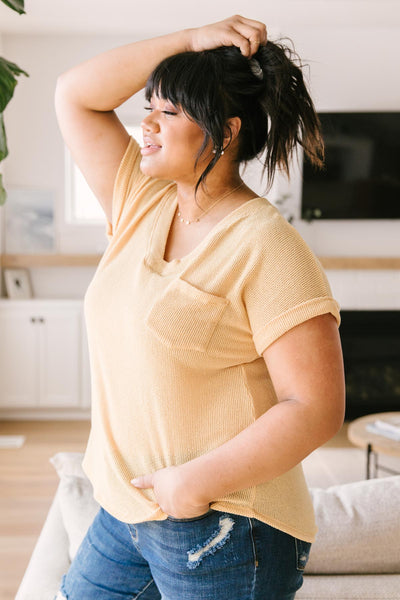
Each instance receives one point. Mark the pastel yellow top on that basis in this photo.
(176, 347)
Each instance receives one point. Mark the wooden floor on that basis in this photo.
(28, 482)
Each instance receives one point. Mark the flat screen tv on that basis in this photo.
(361, 178)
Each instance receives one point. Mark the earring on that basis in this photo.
(215, 152)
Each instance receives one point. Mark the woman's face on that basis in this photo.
(171, 142)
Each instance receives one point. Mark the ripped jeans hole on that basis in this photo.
(216, 540)
(60, 596)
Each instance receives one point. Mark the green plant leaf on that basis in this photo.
(17, 5)
(3, 193)
(14, 68)
(8, 70)
(3, 139)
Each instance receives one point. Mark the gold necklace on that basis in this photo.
(187, 222)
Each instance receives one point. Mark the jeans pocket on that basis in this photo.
(302, 553)
(191, 519)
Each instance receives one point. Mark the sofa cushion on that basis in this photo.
(350, 587)
(75, 493)
(358, 523)
(358, 528)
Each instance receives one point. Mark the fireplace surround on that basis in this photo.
(371, 353)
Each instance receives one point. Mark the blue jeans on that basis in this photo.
(217, 556)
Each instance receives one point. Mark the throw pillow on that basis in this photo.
(358, 527)
(75, 494)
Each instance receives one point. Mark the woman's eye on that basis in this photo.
(166, 112)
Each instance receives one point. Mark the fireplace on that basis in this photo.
(371, 353)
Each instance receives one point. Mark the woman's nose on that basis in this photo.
(149, 123)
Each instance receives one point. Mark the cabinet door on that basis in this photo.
(19, 361)
(60, 357)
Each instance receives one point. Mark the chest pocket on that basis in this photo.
(184, 317)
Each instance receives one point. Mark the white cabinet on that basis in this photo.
(42, 354)
(18, 359)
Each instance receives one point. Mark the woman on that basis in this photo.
(213, 335)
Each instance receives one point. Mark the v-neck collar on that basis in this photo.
(161, 228)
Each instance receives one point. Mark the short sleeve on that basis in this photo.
(128, 178)
(285, 287)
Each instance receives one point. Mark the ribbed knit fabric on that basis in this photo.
(176, 347)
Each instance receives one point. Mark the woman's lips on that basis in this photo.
(149, 149)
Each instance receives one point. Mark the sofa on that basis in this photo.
(356, 554)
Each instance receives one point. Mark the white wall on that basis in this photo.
(351, 68)
(36, 146)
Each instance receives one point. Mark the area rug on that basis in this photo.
(12, 441)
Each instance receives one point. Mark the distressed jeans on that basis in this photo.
(217, 556)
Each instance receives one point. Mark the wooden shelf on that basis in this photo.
(359, 262)
(15, 261)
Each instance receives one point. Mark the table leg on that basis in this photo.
(369, 450)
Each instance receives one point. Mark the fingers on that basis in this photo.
(144, 482)
(240, 41)
(254, 44)
(250, 34)
(245, 34)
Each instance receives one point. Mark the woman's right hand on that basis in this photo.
(246, 34)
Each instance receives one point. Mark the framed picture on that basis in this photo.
(18, 284)
(29, 221)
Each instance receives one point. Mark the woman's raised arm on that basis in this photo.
(85, 99)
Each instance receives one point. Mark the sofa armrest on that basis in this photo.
(49, 560)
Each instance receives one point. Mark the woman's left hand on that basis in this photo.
(172, 493)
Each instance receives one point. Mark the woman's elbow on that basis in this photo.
(333, 419)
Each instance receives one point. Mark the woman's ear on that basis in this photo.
(232, 129)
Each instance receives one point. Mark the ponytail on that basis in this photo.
(288, 107)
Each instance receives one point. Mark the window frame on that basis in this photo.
(71, 203)
(75, 236)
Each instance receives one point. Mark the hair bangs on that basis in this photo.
(189, 81)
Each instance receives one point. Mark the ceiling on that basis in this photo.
(160, 16)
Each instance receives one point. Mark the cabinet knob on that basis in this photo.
(33, 319)
(41, 320)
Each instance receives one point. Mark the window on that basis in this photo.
(81, 205)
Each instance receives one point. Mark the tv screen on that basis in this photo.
(361, 177)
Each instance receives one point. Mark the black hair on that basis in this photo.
(267, 92)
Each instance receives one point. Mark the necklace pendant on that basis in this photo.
(197, 219)
(182, 220)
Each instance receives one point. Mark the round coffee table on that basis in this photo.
(373, 443)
